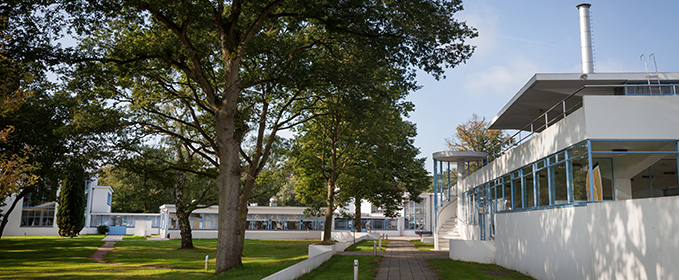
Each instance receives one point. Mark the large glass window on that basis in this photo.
(414, 215)
(41, 215)
(260, 221)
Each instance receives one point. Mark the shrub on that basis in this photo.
(102, 229)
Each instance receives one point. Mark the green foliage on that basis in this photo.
(450, 269)
(474, 135)
(102, 229)
(71, 210)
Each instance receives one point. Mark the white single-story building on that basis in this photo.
(282, 222)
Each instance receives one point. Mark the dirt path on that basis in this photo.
(101, 252)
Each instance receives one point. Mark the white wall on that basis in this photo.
(635, 239)
(14, 228)
(99, 199)
(632, 117)
(472, 250)
(545, 244)
(630, 239)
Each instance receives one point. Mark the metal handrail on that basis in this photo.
(530, 128)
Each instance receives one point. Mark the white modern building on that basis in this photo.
(39, 219)
(589, 188)
(264, 222)
(282, 222)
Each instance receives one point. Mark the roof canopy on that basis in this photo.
(455, 156)
(546, 90)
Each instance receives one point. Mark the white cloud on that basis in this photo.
(501, 80)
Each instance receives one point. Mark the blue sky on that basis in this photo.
(520, 38)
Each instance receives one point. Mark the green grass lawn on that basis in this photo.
(450, 269)
(367, 246)
(68, 258)
(261, 257)
(422, 246)
(342, 267)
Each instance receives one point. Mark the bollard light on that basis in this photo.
(355, 269)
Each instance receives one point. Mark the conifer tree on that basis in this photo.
(71, 203)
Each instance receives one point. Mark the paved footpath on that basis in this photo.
(403, 261)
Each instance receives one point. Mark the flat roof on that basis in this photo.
(544, 90)
(455, 156)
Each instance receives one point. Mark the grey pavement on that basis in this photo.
(113, 238)
(403, 261)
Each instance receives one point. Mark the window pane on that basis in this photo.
(543, 187)
(580, 171)
(518, 193)
(529, 188)
(560, 187)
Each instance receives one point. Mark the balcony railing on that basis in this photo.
(570, 104)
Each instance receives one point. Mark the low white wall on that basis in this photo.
(301, 268)
(630, 239)
(344, 236)
(472, 251)
(318, 254)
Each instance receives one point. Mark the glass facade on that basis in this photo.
(255, 222)
(367, 224)
(123, 220)
(589, 171)
(415, 215)
(41, 215)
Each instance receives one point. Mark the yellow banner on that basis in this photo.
(598, 190)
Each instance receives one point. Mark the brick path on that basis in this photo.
(403, 261)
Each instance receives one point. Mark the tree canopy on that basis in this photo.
(213, 74)
(474, 135)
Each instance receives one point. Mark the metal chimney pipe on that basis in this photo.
(585, 39)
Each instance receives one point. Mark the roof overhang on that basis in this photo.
(543, 91)
(455, 156)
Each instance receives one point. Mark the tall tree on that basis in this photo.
(165, 174)
(474, 135)
(217, 50)
(48, 126)
(71, 201)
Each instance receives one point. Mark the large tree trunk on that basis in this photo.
(329, 209)
(5, 215)
(243, 208)
(182, 213)
(357, 214)
(229, 245)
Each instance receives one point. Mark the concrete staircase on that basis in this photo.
(447, 231)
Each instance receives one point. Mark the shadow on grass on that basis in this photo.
(450, 269)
